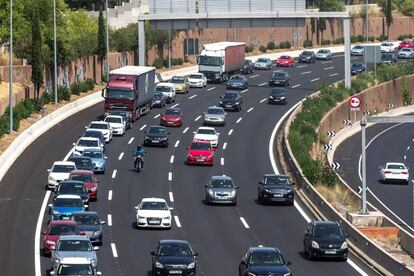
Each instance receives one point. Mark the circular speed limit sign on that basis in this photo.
(354, 102)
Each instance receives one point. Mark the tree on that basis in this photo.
(322, 26)
(36, 55)
(386, 8)
(101, 51)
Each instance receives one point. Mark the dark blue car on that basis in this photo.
(263, 261)
(237, 82)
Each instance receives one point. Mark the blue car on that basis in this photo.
(237, 82)
(64, 205)
(98, 158)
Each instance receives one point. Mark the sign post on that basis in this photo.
(354, 105)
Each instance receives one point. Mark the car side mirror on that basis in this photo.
(50, 205)
(103, 222)
(220, 97)
(82, 233)
(195, 253)
(136, 208)
(153, 253)
(194, 132)
(52, 247)
(187, 148)
(86, 206)
(206, 186)
(261, 182)
(104, 93)
(96, 248)
(74, 144)
(98, 273)
(236, 187)
(170, 208)
(243, 262)
(106, 157)
(288, 263)
(168, 133)
(44, 233)
(48, 170)
(51, 273)
(86, 127)
(218, 133)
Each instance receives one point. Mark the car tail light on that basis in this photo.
(387, 172)
(404, 172)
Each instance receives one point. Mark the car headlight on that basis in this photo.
(159, 265)
(287, 274)
(100, 163)
(190, 156)
(210, 156)
(146, 138)
(50, 242)
(93, 189)
(271, 97)
(267, 190)
(344, 245)
(251, 274)
(282, 98)
(315, 244)
(288, 191)
(221, 102)
(217, 74)
(237, 103)
(55, 212)
(97, 233)
(51, 178)
(139, 217)
(191, 265)
(93, 261)
(210, 192)
(166, 217)
(164, 138)
(233, 193)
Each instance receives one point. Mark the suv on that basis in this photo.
(307, 56)
(167, 89)
(75, 266)
(215, 116)
(275, 188)
(263, 261)
(280, 78)
(231, 100)
(325, 239)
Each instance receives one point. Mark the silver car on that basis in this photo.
(357, 50)
(263, 63)
(221, 190)
(215, 116)
(406, 53)
(73, 246)
(324, 54)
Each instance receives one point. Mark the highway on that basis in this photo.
(220, 234)
(387, 143)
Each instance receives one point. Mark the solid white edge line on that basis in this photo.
(114, 173)
(198, 118)
(244, 223)
(225, 145)
(110, 195)
(222, 161)
(156, 116)
(130, 140)
(169, 176)
(171, 196)
(109, 220)
(177, 221)
(250, 109)
(38, 270)
(114, 252)
(120, 156)
(186, 129)
(212, 88)
(177, 143)
(239, 120)
(230, 131)
(177, 104)
(172, 159)
(142, 127)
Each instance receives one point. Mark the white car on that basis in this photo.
(387, 47)
(86, 142)
(117, 124)
(153, 213)
(103, 127)
(324, 54)
(406, 53)
(397, 172)
(197, 80)
(60, 171)
(357, 50)
(75, 266)
(167, 89)
(208, 134)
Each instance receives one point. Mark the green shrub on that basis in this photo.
(63, 93)
(177, 61)
(90, 84)
(307, 43)
(285, 45)
(371, 38)
(381, 38)
(361, 38)
(263, 49)
(354, 39)
(271, 45)
(75, 88)
(325, 42)
(338, 41)
(405, 36)
(249, 49)
(158, 63)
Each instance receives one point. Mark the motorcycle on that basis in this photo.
(138, 163)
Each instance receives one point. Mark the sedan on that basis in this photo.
(277, 96)
(124, 114)
(90, 224)
(231, 100)
(280, 78)
(408, 43)
(357, 50)
(117, 123)
(153, 213)
(181, 84)
(90, 181)
(86, 142)
(221, 189)
(103, 127)
(95, 134)
(387, 58)
(60, 171)
(325, 239)
(200, 152)
(72, 187)
(215, 116)
(237, 82)
(98, 159)
(263, 261)
(357, 68)
(197, 80)
(286, 61)
(82, 162)
(387, 47)
(406, 53)
(247, 67)
(172, 117)
(307, 57)
(324, 54)
(263, 63)
(55, 230)
(275, 188)
(65, 205)
(207, 134)
(75, 266)
(174, 257)
(158, 100)
(394, 172)
(156, 136)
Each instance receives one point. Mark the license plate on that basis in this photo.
(277, 195)
(277, 82)
(170, 123)
(395, 173)
(175, 272)
(330, 252)
(154, 222)
(65, 218)
(200, 160)
(156, 141)
(228, 105)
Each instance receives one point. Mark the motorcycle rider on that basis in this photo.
(139, 152)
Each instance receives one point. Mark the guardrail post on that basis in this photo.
(364, 209)
(141, 42)
(347, 53)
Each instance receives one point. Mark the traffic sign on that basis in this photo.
(354, 102)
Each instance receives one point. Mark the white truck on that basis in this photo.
(218, 61)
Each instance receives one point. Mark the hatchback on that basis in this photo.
(263, 261)
(221, 190)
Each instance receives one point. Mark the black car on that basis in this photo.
(277, 96)
(125, 115)
(95, 134)
(237, 82)
(325, 239)
(231, 100)
(388, 58)
(82, 162)
(247, 67)
(90, 224)
(357, 68)
(280, 78)
(263, 261)
(307, 57)
(72, 187)
(275, 188)
(156, 136)
(173, 257)
(158, 100)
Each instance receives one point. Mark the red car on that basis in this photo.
(286, 61)
(88, 178)
(172, 117)
(200, 152)
(56, 229)
(408, 43)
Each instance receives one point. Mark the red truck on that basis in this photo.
(130, 89)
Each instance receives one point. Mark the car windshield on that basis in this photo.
(163, 88)
(82, 163)
(285, 57)
(119, 93)
(206, 131)
(68, 202)
(81, 177)
(358, 47)
(62, 229)
(396, 167)
(209, 61)
(266, 259)
(98, 126)
(332, 231)
(247, 62)
(154, 205)
(278, 75)
(357, 65)
(222, 183)
(386, 44)
(176, 250)
(63, 168)
(200, 146)
(172, 112)
(236, 78)
(196, 76)
(322, 51)
(75, 269)
(406, 50)
(94, 134)
(113, 120)
(156, 130)
(215, 111)
(74, 245)
(386, 56)
(93, 154)
(262, 60)
(230, 96)
(157, 96)
(283, 180)
(86, 219)
(177, 80)
(306, 53)
(69, 188)
(277, 92)
(88, 143)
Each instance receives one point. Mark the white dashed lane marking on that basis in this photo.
(114, 173)
(222, 161)
(130, 140)
(250, 109)
(114, 252)
(325, 62)
(230, 131)
(144, 126)
(120, 156)
(177, 221)
(186, 129)
(192, 97)
(169, 176)
(212, 88)
(177, 104)
(239, 120)
(156, 116)
(263, 84)
(225, 145)
(177, 143)
(244, 223)
(254, 76)
(328, 68)
(263, 100)
(245, 90)
(171, 196)
(315, 80)
(333, 75)
(305, 73)
(110, 195)
(297, 85)
(198, 118)
(109, 220)
(172, 159)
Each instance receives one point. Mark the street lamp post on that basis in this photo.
(366, 20)
(55, 52)
(107, 40)
(11, 67)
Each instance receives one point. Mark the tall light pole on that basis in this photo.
(107, 40)
(366, 19)
(11, 68)
(55, 51)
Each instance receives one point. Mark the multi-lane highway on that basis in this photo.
(386, 143)
(220, 234)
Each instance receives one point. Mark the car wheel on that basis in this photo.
(207, 200)
(260, 199)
